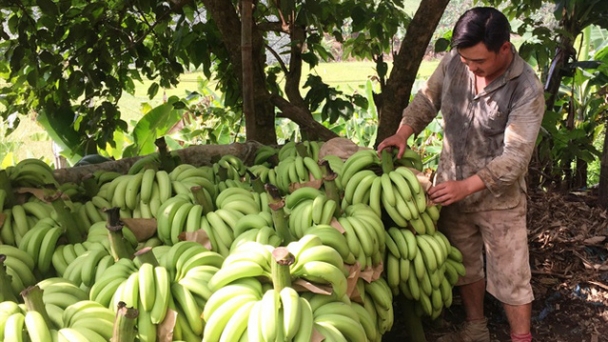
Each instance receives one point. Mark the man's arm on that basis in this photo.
(449, 192)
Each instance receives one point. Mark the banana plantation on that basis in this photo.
(256, 207)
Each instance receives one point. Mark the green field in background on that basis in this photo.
(29, 140)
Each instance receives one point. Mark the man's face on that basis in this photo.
(485, 63)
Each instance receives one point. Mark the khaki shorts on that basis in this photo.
(503, 236)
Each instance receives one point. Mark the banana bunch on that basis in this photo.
(378, 300)
(308, 206)
(264, 154)
(84, 261)
(88, 266)
(265, 173)
(363, 159)
(184, 255)
(368, 319)
(92, 211)
(21, 218)
(191, 176)
(178, 283)
(88, 318)
(335, 164)
(102, 176)
(424, 267)
(150, 161)
(173, 217)
(280, 315)
(31, 172)
(98, 233)
(307, 147)
(264, 235)
(40, 243)
(230, 167)
(410, 158)
(72, 190)
(229, 311)
(233, 204)
(143, 192)
(108, 282)
(404, 200)
(319, 263)
(194, 266)
(18, 324)
(296, 169)
(364, 233)
(20, 267)
(57, 295)
(124, 190)
(249, 260)
(336, 319)
(12, 321)
(252, 221)
(240, 199)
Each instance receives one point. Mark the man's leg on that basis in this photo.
(472, 296)
(475, 327)
(519, 317)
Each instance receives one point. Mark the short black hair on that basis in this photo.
(485, 25)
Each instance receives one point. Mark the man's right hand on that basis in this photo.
(394, 140)
(398, 140)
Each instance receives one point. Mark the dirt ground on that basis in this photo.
(568, 237)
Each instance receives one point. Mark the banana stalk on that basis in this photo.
(145, 255)
(413, 322)
(281, 276)
(302, 150)
(279, 219)
(124, 325)
(167, 160)
(65, 218)
(5, 182)
(6, 292)
(119, 246)
(32, 297)
(200, 198)
(91, 188)
(387, 161)
(256, 183)
(329, 184)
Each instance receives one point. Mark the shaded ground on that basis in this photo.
(569, 256)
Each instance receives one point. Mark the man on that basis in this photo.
(492, 105)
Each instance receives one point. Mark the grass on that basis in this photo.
(30, 141)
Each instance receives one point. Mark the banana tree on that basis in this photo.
(564, 66)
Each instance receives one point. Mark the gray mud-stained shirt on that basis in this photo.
(491, 134)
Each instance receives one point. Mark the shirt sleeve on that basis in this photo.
(520, 137)
(427, 102)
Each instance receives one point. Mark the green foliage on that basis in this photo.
(7, 148)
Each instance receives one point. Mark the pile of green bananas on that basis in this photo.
(68, 315)
(31, 172)
(290, 164)
(424, 267)
(20, 218)
(367, 213)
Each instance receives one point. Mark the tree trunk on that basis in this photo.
(314, 130)
(260, 125)
(246, 59)
(196, 155)
(580, 176)
(602, 199)
(396, 95)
